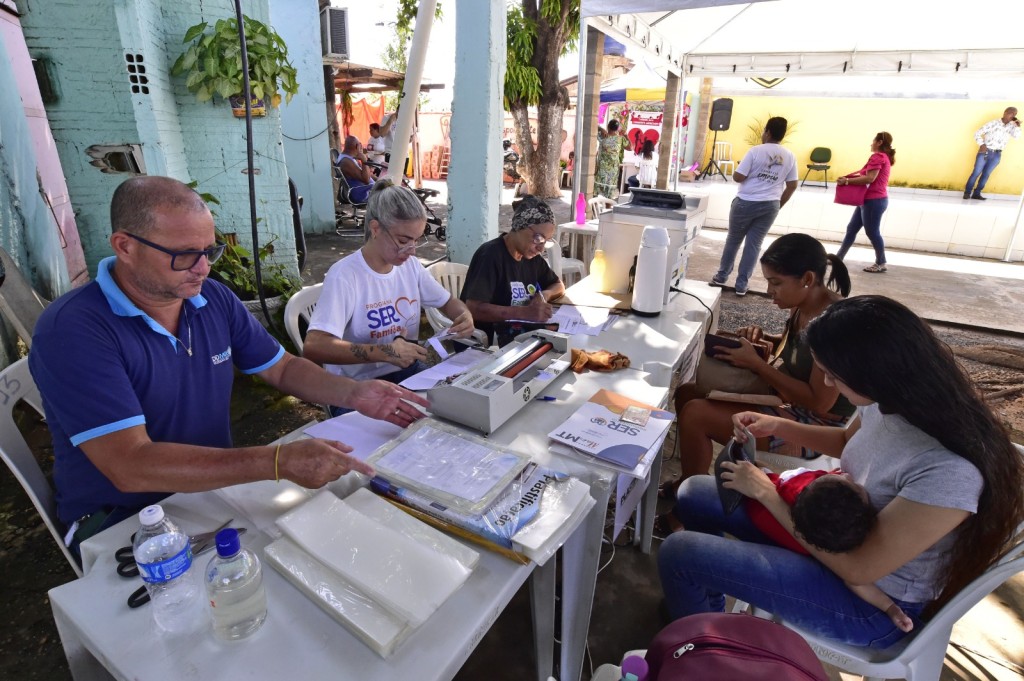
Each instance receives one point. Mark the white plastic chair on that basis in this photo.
(920, 655)
(598, 205)
(14, 450)
(451, 276)
(564, 267)
(723, 156)
(300, 306)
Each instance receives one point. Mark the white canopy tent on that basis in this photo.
(815, 37)
(791, 38)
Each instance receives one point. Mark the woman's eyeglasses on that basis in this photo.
(185, 260)
(409, 246)
(539, 238)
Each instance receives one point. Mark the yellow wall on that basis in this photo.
(933, 138)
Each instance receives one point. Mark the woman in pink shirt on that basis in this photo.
(875, 174)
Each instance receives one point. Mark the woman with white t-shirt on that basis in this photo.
(367, 320)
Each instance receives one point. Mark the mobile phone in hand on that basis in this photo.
(713, 342)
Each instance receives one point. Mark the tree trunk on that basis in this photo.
(539, 158)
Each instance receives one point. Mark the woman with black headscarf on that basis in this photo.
(508, 288)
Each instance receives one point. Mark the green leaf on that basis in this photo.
(194, 79)
(210, 66)
(226, 88)
(194, 32)
(178, 67)
(203, 94)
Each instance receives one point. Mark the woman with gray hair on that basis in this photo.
(508, 287)
(367, 320)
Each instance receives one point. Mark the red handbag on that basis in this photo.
(851, 194)
(729, 646)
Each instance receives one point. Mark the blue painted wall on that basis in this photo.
(179, 136)
(304, 120)
(95, 105)
(27, 229)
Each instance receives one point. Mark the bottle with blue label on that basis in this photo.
(164, 557)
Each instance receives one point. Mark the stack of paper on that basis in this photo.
(378, 572)
(574, 319)
(532, 517)
(614, 429)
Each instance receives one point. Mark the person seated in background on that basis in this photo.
(374, 147)
(136, 369)
(508, 288)
(367, 320)
(831, 513)
(647, 170)
(352, 163)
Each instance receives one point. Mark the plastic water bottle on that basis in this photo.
(234, 584)
(634, 668)
(598, 267)
(581, 209)
(164, 557)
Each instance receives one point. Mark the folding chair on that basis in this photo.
(14, 450)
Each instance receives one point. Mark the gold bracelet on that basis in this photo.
(277, 460)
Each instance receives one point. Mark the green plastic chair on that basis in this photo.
(820, 157)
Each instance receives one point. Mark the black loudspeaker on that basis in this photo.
(721, 114)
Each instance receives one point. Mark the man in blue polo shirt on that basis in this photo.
(135, 370)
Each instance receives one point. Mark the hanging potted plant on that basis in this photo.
(212, 65)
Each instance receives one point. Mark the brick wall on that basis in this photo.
(94, 105)
(87, 43)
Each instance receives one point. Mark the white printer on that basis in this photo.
(620, 228)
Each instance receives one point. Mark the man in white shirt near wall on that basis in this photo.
(767, 177)
(992, 138)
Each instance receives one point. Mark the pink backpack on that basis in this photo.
(730, 646)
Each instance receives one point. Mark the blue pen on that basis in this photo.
(545, 398)
(540, 291)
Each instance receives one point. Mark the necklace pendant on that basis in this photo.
(189, 351)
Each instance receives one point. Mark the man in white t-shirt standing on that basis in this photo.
(767, 177)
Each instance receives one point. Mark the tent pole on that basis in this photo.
(581, 79)
(411, 89)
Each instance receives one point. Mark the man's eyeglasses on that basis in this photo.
(185, 260)
(539, 238)
(408, 247)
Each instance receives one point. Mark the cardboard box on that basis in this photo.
(687, 176)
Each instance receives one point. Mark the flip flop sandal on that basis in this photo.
(667, 490)
(663, 526)
(876, 268)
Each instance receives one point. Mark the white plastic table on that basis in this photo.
(582, 239)
(104, 639)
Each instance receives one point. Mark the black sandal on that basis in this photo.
(663, 525)
(668, 489)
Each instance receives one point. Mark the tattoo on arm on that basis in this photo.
(388, 349)
(361, 352)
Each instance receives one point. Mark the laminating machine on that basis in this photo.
(494, 390)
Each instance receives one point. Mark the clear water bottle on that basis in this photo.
(164, 557)
(234, 584)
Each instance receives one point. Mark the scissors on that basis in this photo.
(127, 567)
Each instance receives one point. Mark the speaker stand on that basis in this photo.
(712, 168)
